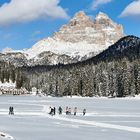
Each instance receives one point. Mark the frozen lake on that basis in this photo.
(106, 119)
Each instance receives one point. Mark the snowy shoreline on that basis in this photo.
(80, 97)
(137, 97)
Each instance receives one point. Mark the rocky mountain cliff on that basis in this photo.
(78, 40)
(102, 31)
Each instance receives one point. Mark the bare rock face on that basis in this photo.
(76, 30)
(111, 30)
(81, 28)
(78, 40)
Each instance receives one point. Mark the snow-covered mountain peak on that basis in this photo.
(80, 14)
(80, 37)
(102, 15)
(104, 20)
(77, 40)
(79, 18)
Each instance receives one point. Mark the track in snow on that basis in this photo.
(97, 124)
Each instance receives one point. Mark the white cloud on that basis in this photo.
(28, 10)
(97, 3)
(133, 9)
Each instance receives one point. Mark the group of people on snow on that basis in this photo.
(67, 111)
(53, 111)
(11, 110)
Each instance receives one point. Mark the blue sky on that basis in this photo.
(23, 22)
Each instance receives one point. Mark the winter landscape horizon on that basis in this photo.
(69, 70)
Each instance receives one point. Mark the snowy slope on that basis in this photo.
(61, 47)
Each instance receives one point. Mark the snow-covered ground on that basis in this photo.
(106, 119)
(7, 85)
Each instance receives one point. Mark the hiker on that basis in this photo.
(54, 110)
(67, 110)
(51, 111)
(84, 112)
(60, 110)
(75, 111)
(11, 110)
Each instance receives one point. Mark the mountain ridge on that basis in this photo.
(81, 38)
(110, 54)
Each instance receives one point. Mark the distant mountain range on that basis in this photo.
(80, 39)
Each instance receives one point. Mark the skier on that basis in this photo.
(75, 111)
(84, 112)
(60, 110)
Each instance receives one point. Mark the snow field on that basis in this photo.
(105, 119)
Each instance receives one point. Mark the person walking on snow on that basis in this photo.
(54, 111)
(60, 110)
(10, 110)
(51, 111)
(84, 112)
(67, 110)
(75, 111)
